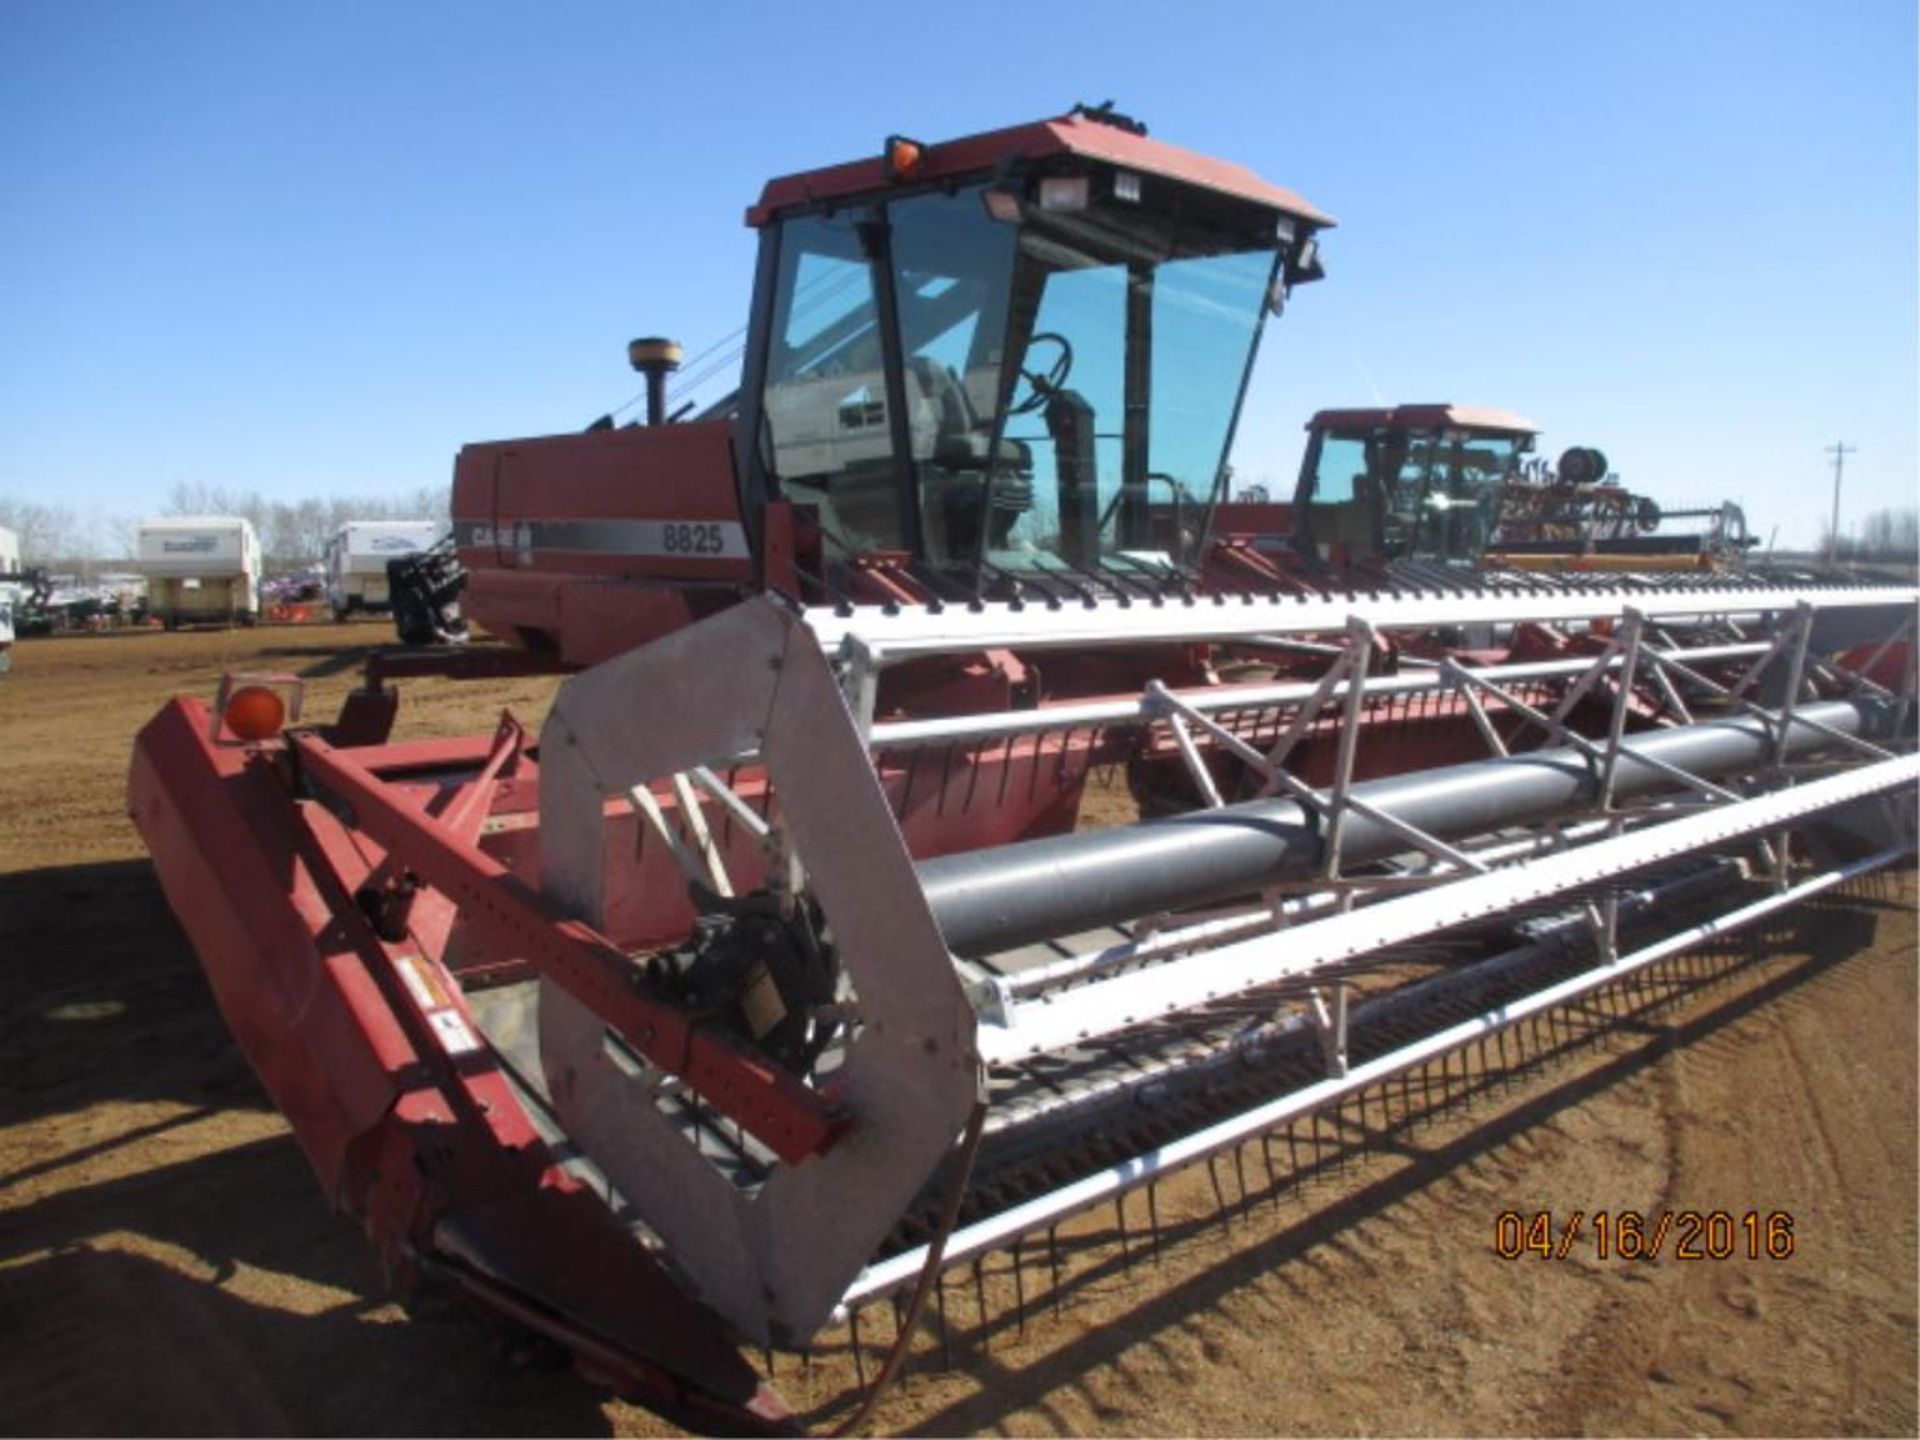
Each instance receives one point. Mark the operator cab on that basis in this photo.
(1019, 352)
(1413, 482)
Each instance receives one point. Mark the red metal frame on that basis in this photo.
(1066, 135)
(404, 1111)
(773, 1106)
(1430, 416)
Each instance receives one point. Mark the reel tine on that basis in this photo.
(980, 1303)
(1019, 1287)
(853, 1341)
(1219, 1198)
(1053, 1265)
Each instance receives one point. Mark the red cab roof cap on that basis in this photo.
(1425, 417)
(1075, 134)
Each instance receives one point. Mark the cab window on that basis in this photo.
(827, 437)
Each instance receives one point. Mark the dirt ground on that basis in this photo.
(167, 1265)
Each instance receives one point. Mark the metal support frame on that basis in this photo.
(1578, 741)
(1330, 1022)
(1287, 695)
(1627, 646)
(1176, 716)
(769, 1245)
(1793, 644)
(1360, 652)
(910, 631)
(859, 669)
(1347, 678)
(775, 1107)
(1288, 956)
(996, 1231)
(699, 860)
(1048, 1024)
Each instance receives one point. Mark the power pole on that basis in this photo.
(1839, 450)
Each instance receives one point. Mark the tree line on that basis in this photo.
(1882, 535)
(293, 533)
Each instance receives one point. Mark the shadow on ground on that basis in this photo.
(103, 1341)
(101, 998)
(216, 1293)
(325, 660)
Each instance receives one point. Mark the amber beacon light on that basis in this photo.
(905, 158)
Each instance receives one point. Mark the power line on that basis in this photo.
(1839, 450)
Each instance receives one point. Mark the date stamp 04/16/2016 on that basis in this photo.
(1648, 1235)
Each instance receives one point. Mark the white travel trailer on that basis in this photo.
(357, 559)
(9, 594)
(201, 569)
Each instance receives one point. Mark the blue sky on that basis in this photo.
(313, 249)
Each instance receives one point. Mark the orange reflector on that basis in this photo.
(904, 157)
(255, 713)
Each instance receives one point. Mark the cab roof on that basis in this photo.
(1076, 134)
(1425, 417)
